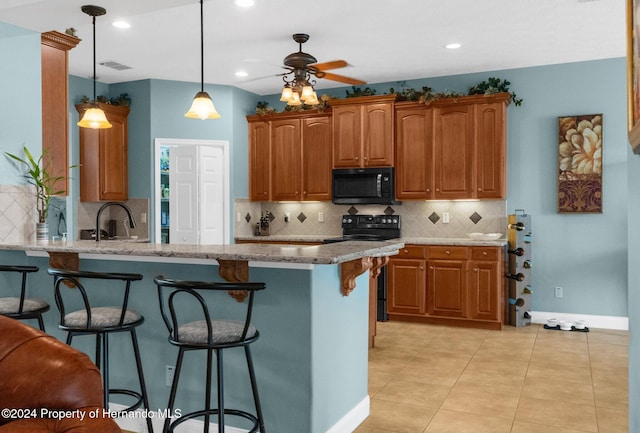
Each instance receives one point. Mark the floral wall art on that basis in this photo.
(580, 164)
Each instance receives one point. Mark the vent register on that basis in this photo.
(114, 65)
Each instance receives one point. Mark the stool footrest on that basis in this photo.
(134, 394)
(234, 412)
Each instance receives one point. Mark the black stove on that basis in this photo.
(368, 228)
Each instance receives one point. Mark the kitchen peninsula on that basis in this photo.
(311, 358)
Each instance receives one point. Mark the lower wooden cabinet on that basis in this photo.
(459, 285)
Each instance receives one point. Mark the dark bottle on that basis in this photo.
(527, 315)
(519, 226)
(518, 251)
(527, 289)
(518, 277)
(527, 264)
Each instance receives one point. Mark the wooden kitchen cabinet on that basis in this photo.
(259, 160)
(104, 169)
(447, 284)
(406, 280)
(290, 157)
(55, 48)
(447, 281)
(452, 148)
(363, 131)
(414, 152)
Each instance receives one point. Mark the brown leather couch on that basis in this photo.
(39, 375)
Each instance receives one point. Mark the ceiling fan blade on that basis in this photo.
(342, 79)
(330, 65)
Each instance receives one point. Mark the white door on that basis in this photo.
(211, 164)
(183, 195)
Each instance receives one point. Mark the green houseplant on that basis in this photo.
(38, 175)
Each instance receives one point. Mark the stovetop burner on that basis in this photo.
(368, 228)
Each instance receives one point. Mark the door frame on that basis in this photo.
(226, 205)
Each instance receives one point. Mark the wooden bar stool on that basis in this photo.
(212, 335)
(22, 307)
(101, 321)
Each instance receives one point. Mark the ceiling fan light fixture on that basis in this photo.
(94, 117)
(294, 101)
(307, 93)
(313, 100)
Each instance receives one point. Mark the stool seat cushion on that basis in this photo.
(101, 317)
(12, 305)
(223, 331)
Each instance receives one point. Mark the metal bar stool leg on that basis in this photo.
(41, 323)
(220, 391)
(254, 388)
(172, 395)
(143, 387)
(105, 369)
(207, 393)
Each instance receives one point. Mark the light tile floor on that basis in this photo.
(436, 379)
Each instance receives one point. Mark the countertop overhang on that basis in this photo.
(404, 240)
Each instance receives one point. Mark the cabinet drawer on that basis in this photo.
(412, 252)
(448, 252)
(484, 253)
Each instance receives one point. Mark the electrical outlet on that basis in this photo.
(169, 372)
(320, 217)
(238, 217)
(445, 218)
(143, 217)
(558, 292)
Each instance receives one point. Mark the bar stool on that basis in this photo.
(23, 308)
(101, 321)
(212, 335)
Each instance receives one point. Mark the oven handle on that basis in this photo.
(379, 184)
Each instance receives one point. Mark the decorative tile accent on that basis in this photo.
(475, 217)
(434, 218)
(389, 211)
(271, 217)
(247, 217)
(352, 211)
(302, 217)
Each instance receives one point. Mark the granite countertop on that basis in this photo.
(312, 254)
(405, 240)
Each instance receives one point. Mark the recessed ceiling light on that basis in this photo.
(245, 3)
(453, 46)
(241, 74)
(121, 24)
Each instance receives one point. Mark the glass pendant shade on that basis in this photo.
(312, 100)
(202, 108)
(307, 93)
(286, 93)
(94, 118)
(295, 100)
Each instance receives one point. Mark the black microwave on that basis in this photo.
(363, 185)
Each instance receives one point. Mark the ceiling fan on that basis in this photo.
(302, 64)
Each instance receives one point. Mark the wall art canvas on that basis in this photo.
(580, 164)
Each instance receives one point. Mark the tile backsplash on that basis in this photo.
(87, 212)
(419, 218)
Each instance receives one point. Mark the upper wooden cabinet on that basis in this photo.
(55, 47)
(290, 157)
(452, 148)
(104, 172)
(363, 131)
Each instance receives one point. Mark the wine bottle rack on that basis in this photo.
(519, 268)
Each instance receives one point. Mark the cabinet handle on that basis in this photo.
(479, 189)
(484, 253)
(430, 267)
(366, 157)
(448, 252)
(428, 189)
(475, 269)
(304, 192)
(357, 158)
(406, 251)
(438, 189)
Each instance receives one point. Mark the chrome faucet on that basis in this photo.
(132, 221)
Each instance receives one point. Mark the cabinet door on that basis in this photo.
(454, 152)
(490, 150)
(377, 135)
(317, 158)
(447, 288)
(406, 281)
(114, 160)
(484, 290)
(414, 153)
(259, 161)
(347, 136)
(285, 160)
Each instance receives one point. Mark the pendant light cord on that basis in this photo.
(201, 46)
(94, 60)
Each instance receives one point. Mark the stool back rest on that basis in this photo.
(24, 270)
(193, 288)
(62, 277)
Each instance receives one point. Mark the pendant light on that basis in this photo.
(94, 117)
(202, 106)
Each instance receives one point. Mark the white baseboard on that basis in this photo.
(604, 322)
(353, 419)
(346, 424)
